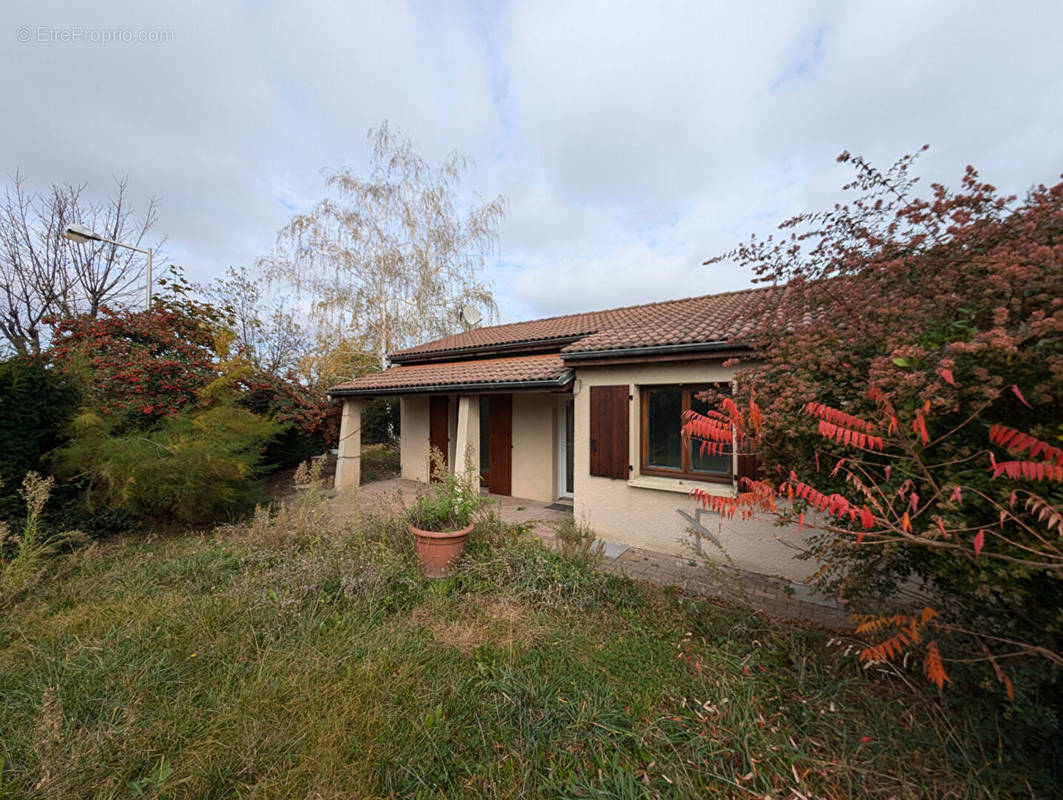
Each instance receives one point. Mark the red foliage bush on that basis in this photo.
(308, 411)
(138, 366)
(910, 375)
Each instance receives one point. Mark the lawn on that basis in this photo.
(303, 656)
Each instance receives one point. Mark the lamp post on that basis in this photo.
(81, 234)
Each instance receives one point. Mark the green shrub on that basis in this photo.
(35, 404)
(198, 466)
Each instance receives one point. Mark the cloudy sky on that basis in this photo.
(633, 141)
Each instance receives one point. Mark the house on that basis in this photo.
(586, 407)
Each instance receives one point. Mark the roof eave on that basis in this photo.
(654, 350)
(482, 387)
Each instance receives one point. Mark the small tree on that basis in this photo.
(942, 305)
(284, 382)
(388, 263)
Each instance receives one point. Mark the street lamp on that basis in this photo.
(81, 234)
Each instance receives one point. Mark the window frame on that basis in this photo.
(684, 472)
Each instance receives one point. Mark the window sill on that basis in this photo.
(680, 485)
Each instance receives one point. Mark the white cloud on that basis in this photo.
(633, 139)
(570, 284)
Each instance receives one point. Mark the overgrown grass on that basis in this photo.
(303, 656)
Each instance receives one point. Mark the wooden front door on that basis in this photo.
(439, 427)
(500, 443)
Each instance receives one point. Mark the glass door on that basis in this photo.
(566, 434)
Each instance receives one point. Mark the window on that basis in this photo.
(665, 450)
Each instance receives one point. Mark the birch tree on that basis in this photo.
(388, 260)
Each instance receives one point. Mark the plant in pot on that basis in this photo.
(440, 519)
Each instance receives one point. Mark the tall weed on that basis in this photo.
(339, 554)
(28, 550)
(577, 540)
(300, 518)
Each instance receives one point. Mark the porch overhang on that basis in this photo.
(530, 373)
(495, 387)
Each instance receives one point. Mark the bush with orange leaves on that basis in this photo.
(907, 386)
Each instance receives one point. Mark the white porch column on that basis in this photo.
(349, 460)
(467, 440)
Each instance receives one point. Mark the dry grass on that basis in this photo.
(49, 729)
(577, 540)
(298, 518)
(379, 463)
(494, 621)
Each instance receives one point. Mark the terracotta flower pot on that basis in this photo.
(438, 549)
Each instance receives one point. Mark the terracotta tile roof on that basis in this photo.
(724, 317)
(484, 372)
(539, 330)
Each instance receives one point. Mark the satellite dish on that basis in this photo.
(470, 315)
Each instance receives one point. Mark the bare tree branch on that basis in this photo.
(267, 332)
(43, 275)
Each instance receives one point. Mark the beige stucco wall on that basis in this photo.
(534, 446)
(644, 511)
(534, 465)
(413, 436)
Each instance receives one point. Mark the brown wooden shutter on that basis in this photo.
(609, 431)
(747, 468)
